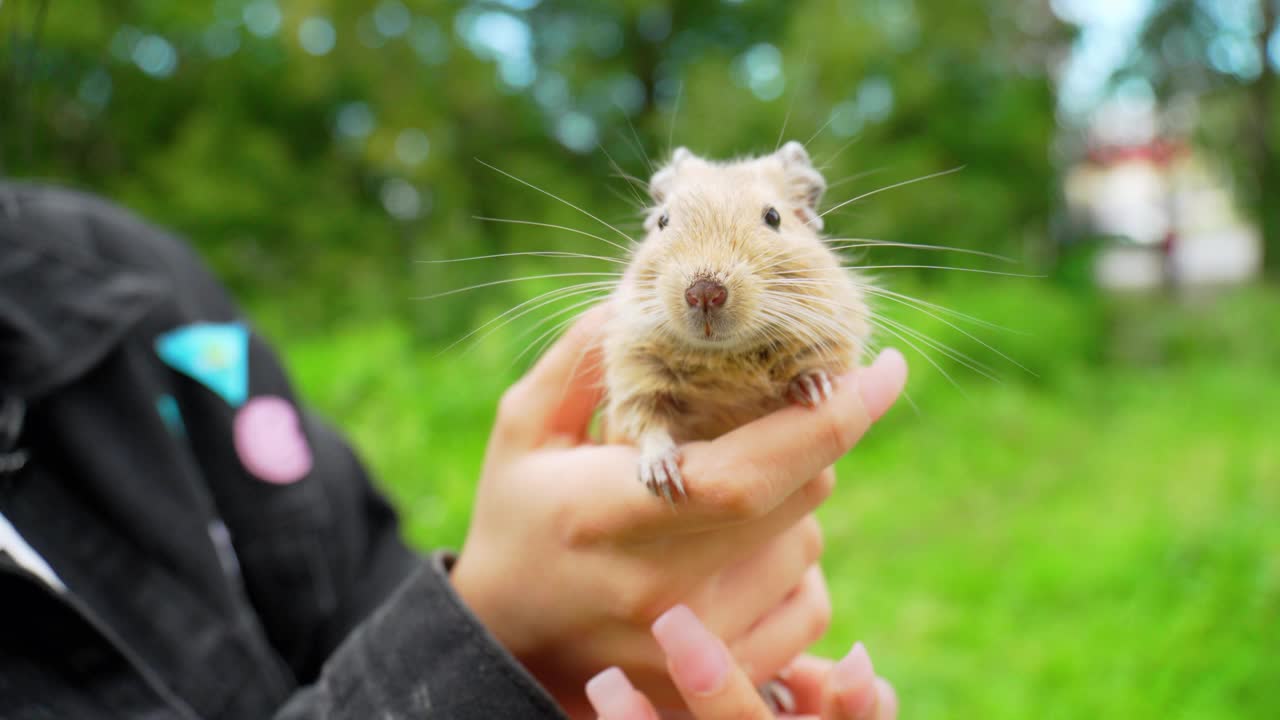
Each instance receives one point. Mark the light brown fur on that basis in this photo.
(675, 373)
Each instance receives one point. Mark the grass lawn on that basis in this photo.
(1100, 541)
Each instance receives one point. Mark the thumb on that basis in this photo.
(559, 395)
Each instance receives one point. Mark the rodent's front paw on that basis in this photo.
(810, 388)
(778, 697)
(660, 471)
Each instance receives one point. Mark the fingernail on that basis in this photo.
(610, 693)
(699, 662)
(890, 369)
(888, 699)
(853, 680)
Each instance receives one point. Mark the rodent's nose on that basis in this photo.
(706, 294)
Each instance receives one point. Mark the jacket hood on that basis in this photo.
(68, 292)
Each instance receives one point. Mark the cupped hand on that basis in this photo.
(569, 559)
(714, 688)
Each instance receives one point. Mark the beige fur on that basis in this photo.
(676, 374)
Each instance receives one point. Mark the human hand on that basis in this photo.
(714, 688)
(569, 559)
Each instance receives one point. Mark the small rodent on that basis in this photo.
(732, 306)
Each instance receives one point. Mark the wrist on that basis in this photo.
(469, 578)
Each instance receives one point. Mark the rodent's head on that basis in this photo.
(732, 254)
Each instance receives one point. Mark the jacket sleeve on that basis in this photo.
(359, 625)
(421, 654)
(386, 632)
(369, 628)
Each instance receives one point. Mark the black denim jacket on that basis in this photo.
(219, 551)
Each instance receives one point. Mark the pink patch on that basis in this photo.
(269, 440)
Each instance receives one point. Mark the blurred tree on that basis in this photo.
(313, 148)
(1226, 55)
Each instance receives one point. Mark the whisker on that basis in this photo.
(877, 290)
(819, 327)
(786, 119)
(873, 349)
(619, 172)
(943, 267)
(506, 281)
(861, 243)
(855, 176)
(840, 151)
(624, 175)
(639, 146)
(975, 365)
(555, 197)
(791, 103)
(557, 227)
(546, 298)
(531, 253)
(623, 196)
(550, 333)
(927, 358)
(675, 110)
(889, 187)
(966, 333)
(825, 125)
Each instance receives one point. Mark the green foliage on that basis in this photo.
(1096, 540)
(239, 144)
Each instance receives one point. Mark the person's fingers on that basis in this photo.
(605, 502)
(732, 601)
(802, 502)
(798, 622)
(806, 678)
(810, 680)
(559, 395)
(614, 698)
(887, 700)
(749, 471)
(712, 686)
(847, 690)
(850, 692)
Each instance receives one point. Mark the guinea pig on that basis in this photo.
(732, 306)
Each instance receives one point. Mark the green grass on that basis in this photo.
(1099, 540)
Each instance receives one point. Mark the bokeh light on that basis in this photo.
(262, 18)
(317, 36)
(504, 38)
(577, 131)
(95, 88)
(392, 18)
(402, 200)
(221, 39)
(429, 42)
(760, 69)
(155, 56)
(412, 146)
(354, 121)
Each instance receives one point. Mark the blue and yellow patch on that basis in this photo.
(214, 354)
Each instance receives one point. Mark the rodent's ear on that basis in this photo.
(660, 183)
(805, 184)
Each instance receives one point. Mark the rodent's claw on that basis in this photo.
(810, 388)
(661, 473)
(778, 697)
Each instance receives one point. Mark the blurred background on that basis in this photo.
(1076, 513)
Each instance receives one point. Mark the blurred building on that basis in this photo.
(1166, 217)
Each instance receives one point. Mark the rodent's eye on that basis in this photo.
(663, 219)
(772, 218)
